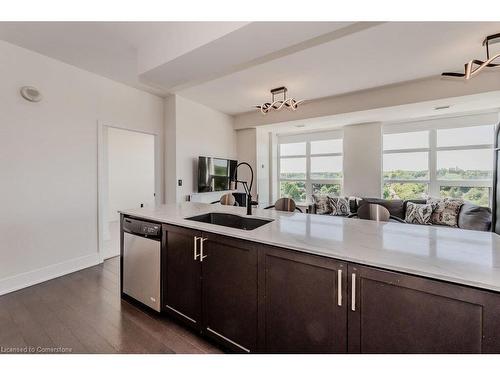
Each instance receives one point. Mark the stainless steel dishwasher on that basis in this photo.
(141, 261)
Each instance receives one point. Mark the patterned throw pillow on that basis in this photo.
(340, 206)
(445, 211)
(418, 213)
(322, 204)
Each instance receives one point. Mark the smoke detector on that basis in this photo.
(31, 93)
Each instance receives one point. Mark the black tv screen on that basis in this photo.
(215, 174)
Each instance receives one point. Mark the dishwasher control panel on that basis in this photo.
(142, 228)
(150, 229)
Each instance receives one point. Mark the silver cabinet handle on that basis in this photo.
(339, 287)
(353, 292)
(195, 247)
(201, 249)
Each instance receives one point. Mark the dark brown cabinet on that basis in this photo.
(305, 303)
(182, 274)
(229, 274)
(210, 282)
(256, 298)
(390, 312)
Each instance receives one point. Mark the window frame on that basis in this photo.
(307, 138)
(432, 126)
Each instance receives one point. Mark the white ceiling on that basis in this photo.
(232, 66)
(449, 107)
(250, 45)
(117, 50)
(381, 55)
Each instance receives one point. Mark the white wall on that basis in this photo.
(253, 147)
(48, 162)
(193, 130)
(170, 150)
(247, 152)
(362, 161)
(131, 170)
(263, 166)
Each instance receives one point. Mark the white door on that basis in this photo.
(130, 179)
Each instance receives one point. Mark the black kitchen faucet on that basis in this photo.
(247, 188)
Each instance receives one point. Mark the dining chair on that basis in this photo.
(284, 204)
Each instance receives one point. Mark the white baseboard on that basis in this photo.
(109, 254)
(23, 280)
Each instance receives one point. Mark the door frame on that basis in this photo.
(102, 175)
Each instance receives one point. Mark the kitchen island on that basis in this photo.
(311, 283)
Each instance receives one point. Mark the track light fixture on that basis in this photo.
(279, 103)
(473, 67)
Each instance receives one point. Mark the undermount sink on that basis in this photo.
(230, 220)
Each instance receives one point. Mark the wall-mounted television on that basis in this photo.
(215, 174)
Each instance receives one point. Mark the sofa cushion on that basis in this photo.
(445, 211)
(474, 217)
(418, 213)
(339, 205)
(394, 206)
(322, 205)
(417, 201)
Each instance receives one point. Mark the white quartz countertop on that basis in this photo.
(456, 255)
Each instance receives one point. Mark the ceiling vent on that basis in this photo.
(441, 107)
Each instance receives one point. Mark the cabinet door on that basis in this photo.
(182, 274)
(305, 303)
(229, 277)
(397, 313)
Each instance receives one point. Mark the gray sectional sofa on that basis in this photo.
(470, 216)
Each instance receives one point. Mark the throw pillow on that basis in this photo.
(322, 204)
(340, 206)
(445, 211)
(418, 213)
(474, 217)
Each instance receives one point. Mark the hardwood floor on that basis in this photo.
(83, 313)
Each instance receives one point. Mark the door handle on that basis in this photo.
(353, 292)
(195, 247)
(339, 287)
(201, 249)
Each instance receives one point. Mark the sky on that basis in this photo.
(415, 161)
(474, 135)
(318, 163)
(463, 159)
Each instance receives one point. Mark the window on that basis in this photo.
(440, 161)
(406, 165)
(310, 164)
